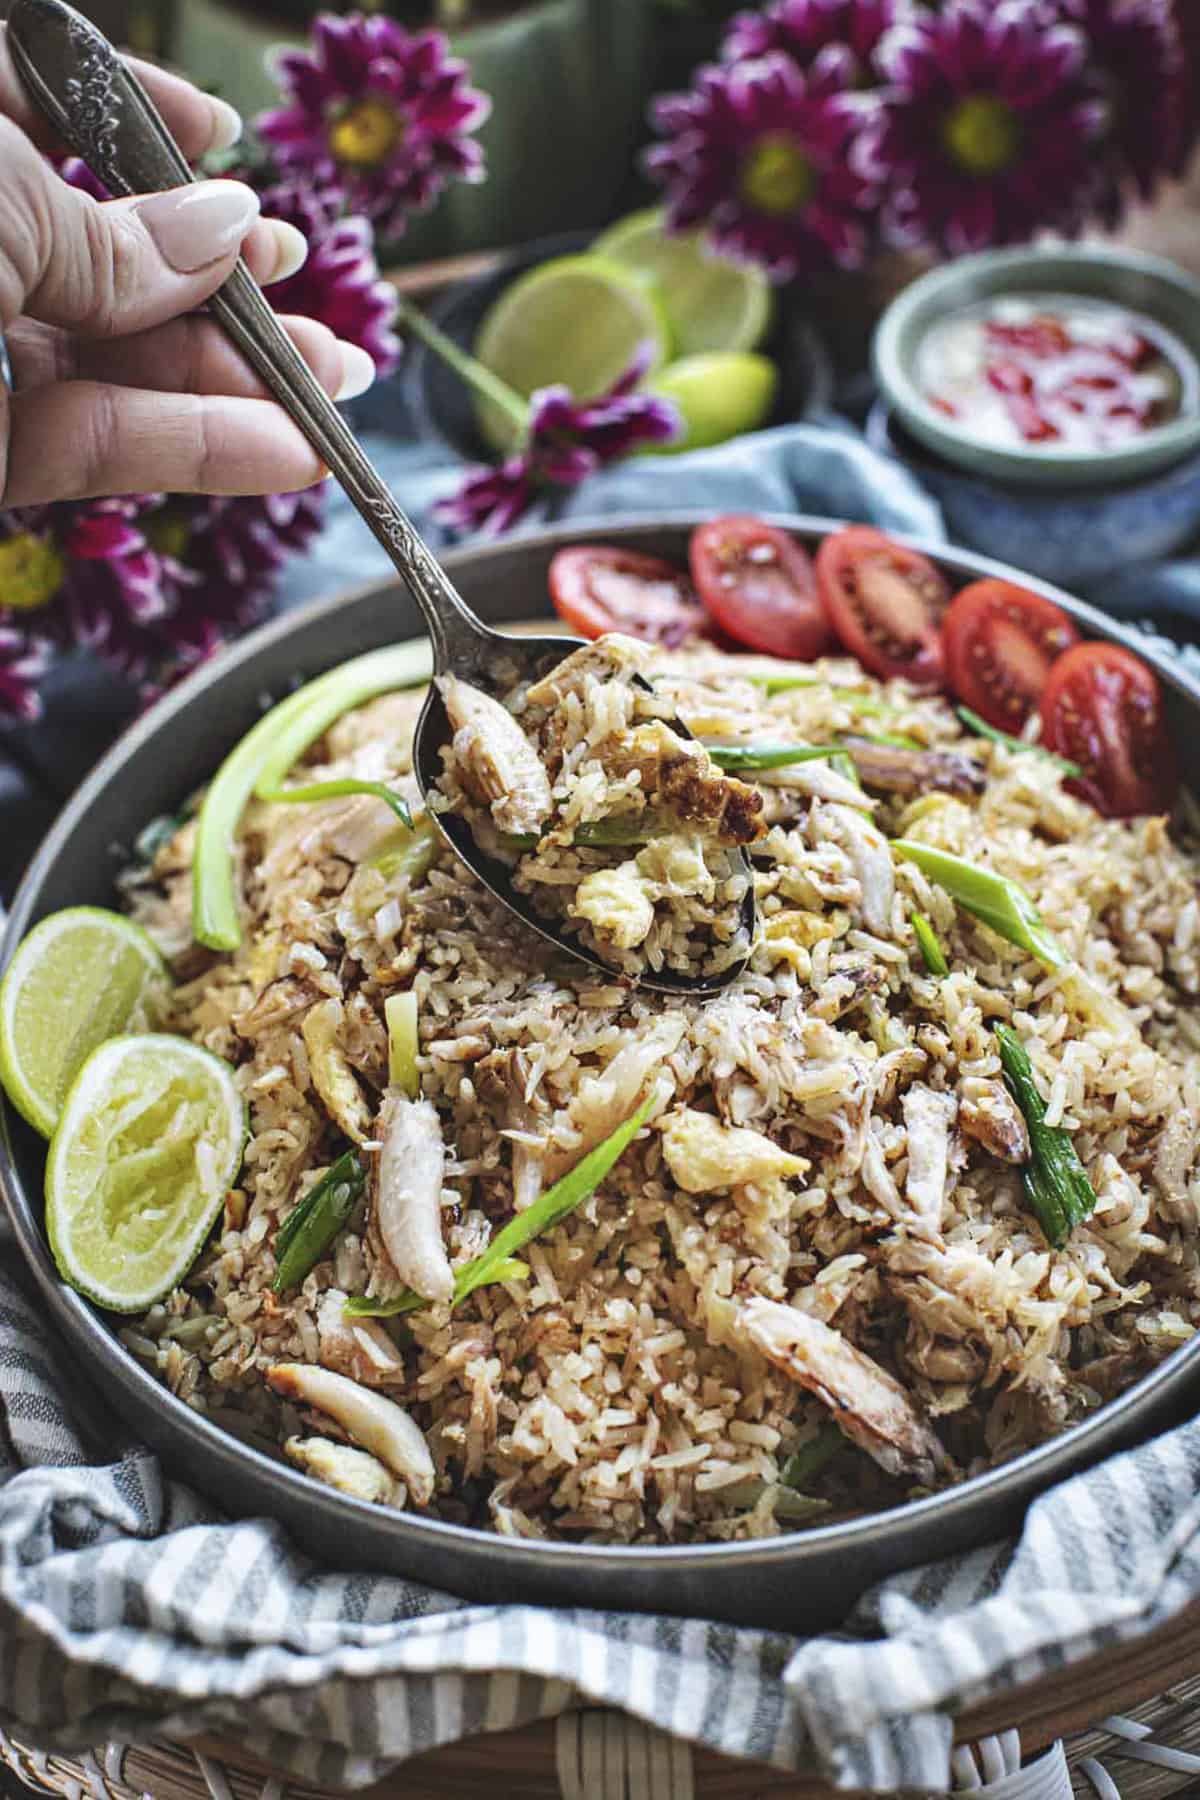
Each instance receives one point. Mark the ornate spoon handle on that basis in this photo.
(99, 108)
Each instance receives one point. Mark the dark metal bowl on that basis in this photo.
(800, 1581)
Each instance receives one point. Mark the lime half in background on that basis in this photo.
(577, 319)
(720, 395)
(149, 1142)
(711, 303)
(80, 977)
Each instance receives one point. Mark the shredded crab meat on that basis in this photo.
(928, 1121)
(497, 760)
(408, 1195)
(375, 1423)
(870, 1406)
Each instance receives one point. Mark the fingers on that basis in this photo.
(198, 122)
(190, 355)
(80, 439)
(115, 267)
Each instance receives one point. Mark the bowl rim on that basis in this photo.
(1016, 1483)
(935, 292)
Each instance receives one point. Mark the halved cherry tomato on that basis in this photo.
(599, 587)
(885, 603)
(1000, 641)
(1102, 707)
(758, 585)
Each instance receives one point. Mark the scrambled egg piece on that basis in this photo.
(615, 902)
(705, 1156)
(332, 1075)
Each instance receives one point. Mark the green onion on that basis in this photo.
(893, 740)
(811, 1458)
(1056, 1184)
(412, 854)
(338, 790)
(312, 1225)
(265, 755)
(981, 728)
(931, 949)
(845, 765)
(999, 902)
(547, 1211)
(400, 1011)
(511, 1269)
(767, 756)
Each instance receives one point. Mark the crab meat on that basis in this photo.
(868, 1404)
(359, 1348)
(331, 1073)
(496, 762)
(681, 776)
(612, 654)
(603, 1101)
(928, 1121)
(349, 1471)
(1174, 1157)
(816, 780)
(408, 1195)
(894, 770)
(375, 1423)
(870, 858)
(988, 1113)
(706, 1157)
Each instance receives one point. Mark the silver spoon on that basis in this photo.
(99, 109)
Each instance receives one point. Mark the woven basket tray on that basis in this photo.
(1157, 1680)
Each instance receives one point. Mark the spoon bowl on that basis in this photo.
(98, 108)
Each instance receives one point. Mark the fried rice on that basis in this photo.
(823, 1217)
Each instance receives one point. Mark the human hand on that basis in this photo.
(119, 385)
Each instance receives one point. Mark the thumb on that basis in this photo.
(114, 267)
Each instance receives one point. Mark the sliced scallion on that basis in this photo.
(315, 1221)
(339, 790)
(1056, 1184)
(736, 757)
(981, 728)
(999, 902)
(547, 1211)
(929, 944)
(400, 1012)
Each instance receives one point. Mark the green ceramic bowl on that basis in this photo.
(1144, 284)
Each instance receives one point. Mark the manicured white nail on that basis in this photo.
(358, 371)
(291, 249)
(226, 124)
(193, 226)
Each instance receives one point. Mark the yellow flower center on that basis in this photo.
(366, 133)
(777, 177)
(982, 134)
(169, 533)
(31, 571)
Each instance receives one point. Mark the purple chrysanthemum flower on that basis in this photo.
(989, 129)
(339, 283)
(386, 112)
(24, 659)
(235, 548)
(1136, 51)
(802, 29)
(567, 440)
(763, 155)
(91, 574)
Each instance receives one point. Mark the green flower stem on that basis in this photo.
(488, 386)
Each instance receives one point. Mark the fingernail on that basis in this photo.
(358, 371)
(226, 124)
(195, 225)
(291, 249)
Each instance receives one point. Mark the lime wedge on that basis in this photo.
(81, 976)
(720, 395)
(149, 1142)
(577, 319)
(710, 302)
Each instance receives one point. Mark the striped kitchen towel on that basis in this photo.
(129, 1609)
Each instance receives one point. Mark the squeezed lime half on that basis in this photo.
(149, 1142)
(577, 319)
(81, 976)
(711, 303)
